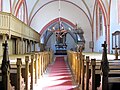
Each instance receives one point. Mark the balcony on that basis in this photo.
(10, 25)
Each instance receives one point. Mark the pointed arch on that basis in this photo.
(25, 12)
(56, 20)
(106, 16)
(102, 7)
(17, 7)
(89, 19)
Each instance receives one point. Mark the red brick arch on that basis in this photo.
(56, 20)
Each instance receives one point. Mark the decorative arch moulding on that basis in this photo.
(56, 20)
(87, 16)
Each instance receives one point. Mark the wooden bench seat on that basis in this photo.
(114, 80)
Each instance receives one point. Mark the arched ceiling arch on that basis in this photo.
(69, 26)
(85, 10)
(31, 7)
(56, 20)
(31, 10)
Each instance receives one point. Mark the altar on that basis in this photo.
(61, 49)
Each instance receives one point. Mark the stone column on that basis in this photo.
(19, 64)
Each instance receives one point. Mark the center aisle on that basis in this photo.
(58, 76)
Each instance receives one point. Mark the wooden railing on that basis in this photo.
(27, 69)
(86, 70)
(10, 25)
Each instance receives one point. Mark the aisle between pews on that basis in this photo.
(57, 76)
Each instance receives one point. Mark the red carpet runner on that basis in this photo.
(59, 76)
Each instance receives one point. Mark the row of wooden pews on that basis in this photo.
(93, 73)
(24, 71)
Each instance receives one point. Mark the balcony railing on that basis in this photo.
(11, 25)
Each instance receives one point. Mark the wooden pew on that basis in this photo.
(33, 66)
(114, 66)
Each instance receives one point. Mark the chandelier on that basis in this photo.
(58, 28)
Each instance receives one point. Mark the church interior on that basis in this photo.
(59, 44)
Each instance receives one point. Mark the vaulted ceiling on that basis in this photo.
(71, 10)
(47, 10)
(38, 13)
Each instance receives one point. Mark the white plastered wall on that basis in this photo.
(69, 12)
(114, 25)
